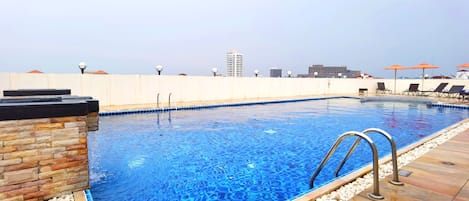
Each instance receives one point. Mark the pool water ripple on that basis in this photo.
(260, 152)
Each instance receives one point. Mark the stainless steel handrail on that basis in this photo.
(169, 99)
(157, 100)
(375, 194)
(395, 179)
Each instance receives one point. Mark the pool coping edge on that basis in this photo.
(208, 106)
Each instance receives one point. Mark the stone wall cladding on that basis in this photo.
(92, 121)
(43, 158)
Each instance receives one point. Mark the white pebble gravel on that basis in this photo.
(348, 191)
(68, 197)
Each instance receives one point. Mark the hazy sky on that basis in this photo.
(192, 37)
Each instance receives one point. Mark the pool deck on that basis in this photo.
(110, 108)
(79, 196)
(441, 174)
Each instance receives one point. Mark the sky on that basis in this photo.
(192, 37)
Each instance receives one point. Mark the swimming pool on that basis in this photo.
(260, 152)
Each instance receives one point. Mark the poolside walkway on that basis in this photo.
(441, 174)
(109, 108)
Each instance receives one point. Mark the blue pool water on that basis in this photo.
(260, 152)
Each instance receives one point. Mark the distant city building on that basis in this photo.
(234, 64)
(321, 71)
(275, 72)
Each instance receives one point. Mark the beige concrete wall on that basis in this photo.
(143, 89)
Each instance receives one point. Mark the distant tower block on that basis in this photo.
(275, 72)
(234, 64)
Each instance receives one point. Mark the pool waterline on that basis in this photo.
(150, 109)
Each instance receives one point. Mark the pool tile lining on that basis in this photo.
(198, 107)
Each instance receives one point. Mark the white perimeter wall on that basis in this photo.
(143, 89)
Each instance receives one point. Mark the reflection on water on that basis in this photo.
(163, 113)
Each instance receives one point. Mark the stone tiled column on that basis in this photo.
(41, 158)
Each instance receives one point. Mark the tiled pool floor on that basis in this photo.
(441, 174)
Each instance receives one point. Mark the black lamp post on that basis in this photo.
(159, 68)
(256, 72)
(82, 67)
(214, 71)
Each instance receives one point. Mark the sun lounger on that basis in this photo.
(413, 89)
(454, 90)
(464, 94)
(438, 89)
(382, 88)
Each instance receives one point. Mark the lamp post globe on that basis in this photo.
(289, 73)
(339, 75)
(315, 74)
(214, 71)
(159, 68)
(82, 67)
(256, 72)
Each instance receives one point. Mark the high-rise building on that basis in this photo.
(234, 64)
(275, 72)
(321, 71)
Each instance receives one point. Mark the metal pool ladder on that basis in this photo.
(363, 135)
